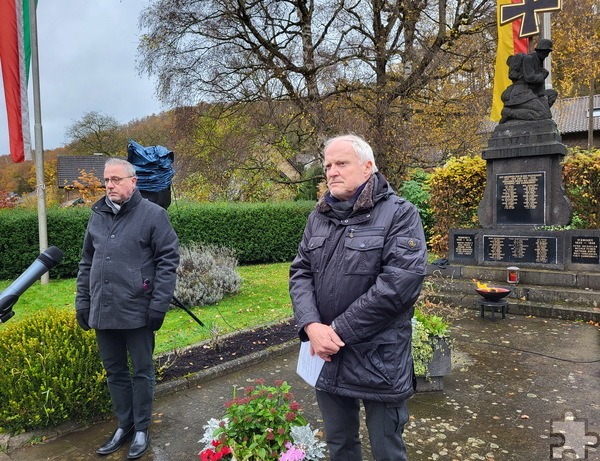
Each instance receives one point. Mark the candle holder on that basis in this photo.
(512, 277)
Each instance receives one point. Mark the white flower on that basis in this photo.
(209, 430)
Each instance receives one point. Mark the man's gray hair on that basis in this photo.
(119, 161)
(363, 150)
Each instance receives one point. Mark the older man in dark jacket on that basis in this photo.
(358, 272)
(125, 284)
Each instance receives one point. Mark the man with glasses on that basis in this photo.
(125, 284)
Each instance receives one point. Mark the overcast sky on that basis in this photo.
(87, 59)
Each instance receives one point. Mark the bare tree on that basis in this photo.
(96, 132)
(374, 56)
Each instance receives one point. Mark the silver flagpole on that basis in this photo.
(39, 143)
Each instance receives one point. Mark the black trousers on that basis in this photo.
(385, 423)
(131, 391)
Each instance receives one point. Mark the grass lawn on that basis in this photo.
(263, 299)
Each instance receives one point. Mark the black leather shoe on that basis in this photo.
(119, 437)
(139, 445)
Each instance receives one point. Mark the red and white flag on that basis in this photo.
(509, 43)
(15, 56)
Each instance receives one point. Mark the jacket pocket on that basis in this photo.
(315, 251)
(137, 284)
(368, 366)
(362, 254)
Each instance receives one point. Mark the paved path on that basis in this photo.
(512, 382)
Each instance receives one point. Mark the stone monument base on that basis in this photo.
(542, 249)
(524, 177)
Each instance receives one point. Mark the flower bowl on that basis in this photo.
(493, 293)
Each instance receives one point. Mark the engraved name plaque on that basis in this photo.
(520, 198)
(520, 249)
(584, 250)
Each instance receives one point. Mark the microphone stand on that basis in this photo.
(180, 305)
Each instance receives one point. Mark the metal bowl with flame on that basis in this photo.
(493, 293)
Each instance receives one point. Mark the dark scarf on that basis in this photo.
(362, 199)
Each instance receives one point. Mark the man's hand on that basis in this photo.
(324, 342)
(155, 319)
(83, 318)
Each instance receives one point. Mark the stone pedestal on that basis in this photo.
(524, 177)
(545, 249)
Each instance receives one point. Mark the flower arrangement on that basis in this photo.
(265, 424)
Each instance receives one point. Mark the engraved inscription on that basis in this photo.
(541, 250)
(518, 247)
(585, 250)
(464, 245)
(496, 247)
(520, 198)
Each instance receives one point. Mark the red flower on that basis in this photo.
(215, 455)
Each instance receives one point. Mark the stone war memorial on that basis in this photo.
(525, 209)
(524, 192)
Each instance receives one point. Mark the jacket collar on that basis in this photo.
(375, 189)
(135, 198)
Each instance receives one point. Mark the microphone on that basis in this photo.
(44, 262)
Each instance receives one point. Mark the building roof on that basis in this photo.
(69, 167)
(571, 114)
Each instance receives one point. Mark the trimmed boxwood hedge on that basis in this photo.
(258, 232)
(50, 373)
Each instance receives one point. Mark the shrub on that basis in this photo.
(416, 190)
(456, 190)
(258, 232)
(581, 175)
(50, 372)
(206, 273)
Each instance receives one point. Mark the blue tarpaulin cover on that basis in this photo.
(153, 166)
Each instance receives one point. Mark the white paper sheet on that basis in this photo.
(309, 366)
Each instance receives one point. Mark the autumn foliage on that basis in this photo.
(581, 175)
(88, 186)
(8, 200)
(456, 190)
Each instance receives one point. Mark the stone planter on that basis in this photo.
(440, 366)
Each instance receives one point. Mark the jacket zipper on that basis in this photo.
(358, 231)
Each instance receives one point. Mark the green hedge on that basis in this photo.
(258, 232)
(50, 373)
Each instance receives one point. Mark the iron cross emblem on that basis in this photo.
(528, 10)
